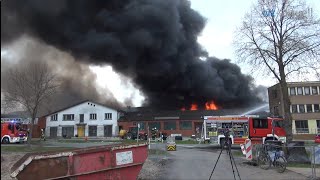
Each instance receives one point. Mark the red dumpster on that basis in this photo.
(100, 162)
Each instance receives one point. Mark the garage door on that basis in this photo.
(53, 132)
(108, 131)
(68, 131)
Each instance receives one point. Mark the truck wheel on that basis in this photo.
(129, 136)
(142, 137)
(5, 140)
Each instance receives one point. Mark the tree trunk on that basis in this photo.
(286, 104)
(31, 131)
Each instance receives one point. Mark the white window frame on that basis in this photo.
(108, 116)
(66, 115)
(54, 117)
(93, 116)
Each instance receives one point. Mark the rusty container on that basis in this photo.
(101, 162)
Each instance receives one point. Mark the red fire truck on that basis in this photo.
(258, 129)
(12, 132)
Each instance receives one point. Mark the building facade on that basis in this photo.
(84, 119)
(185, 123)
(305, 102)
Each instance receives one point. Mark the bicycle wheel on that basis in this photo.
(264, 161)
(280, 164)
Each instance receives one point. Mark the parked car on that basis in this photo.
(317, 138)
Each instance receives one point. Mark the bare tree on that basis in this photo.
(281, 37)
(30, 85)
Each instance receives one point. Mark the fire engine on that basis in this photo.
(258, 129)
(12, 132)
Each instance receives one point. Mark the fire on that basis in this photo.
(194, 107)
(211, 106)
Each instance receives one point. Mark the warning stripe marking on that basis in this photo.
(171, 148)
(248, 147)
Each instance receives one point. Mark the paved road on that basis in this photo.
(197, 163)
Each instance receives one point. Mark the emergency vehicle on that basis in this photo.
(12, 132)
(258, 129)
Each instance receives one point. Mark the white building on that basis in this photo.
(84, 119)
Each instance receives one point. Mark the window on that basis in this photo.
(107, 115)
(54, 117)
(68, 131)
(316, 108)
(314, 90)
(309, 108)
(276, 111)
(294, 108)
(68, 117)
(154, 125)
(292, 91)
(92, 131)
(302, 126)
(260, 123)
(307, 90)
(301, 108)
(299, 89)
(93, 116)
(142, 125)
(170, 125)
(81, 118)
(278, 123)
(185, 125)
(318, 126)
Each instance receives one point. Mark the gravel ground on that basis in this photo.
(153, 168)
(7, 161)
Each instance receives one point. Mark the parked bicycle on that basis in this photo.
(269, 155)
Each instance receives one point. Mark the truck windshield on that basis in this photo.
(278, 123)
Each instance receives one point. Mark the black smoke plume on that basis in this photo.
(152, 41)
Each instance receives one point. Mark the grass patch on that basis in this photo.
(301, 165)
(187, 142)
(157, 152)
(237, 153)
(32, 149)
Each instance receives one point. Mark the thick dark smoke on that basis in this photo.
(152, 41)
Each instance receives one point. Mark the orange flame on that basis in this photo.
(194, 107)
(211, 106)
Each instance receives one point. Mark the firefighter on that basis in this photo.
(154, 133)
(43, 137)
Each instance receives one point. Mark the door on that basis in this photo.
(108, 131)
(259, 127)
(53, 132)
(80, 130)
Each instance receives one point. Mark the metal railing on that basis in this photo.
(302, 158)
(306, 131)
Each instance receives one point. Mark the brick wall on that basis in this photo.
(186, 133)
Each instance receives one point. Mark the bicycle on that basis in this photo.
(265, 160)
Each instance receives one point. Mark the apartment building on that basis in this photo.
(305, 105)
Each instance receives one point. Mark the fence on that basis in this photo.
(306, 130)
(301, 157)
